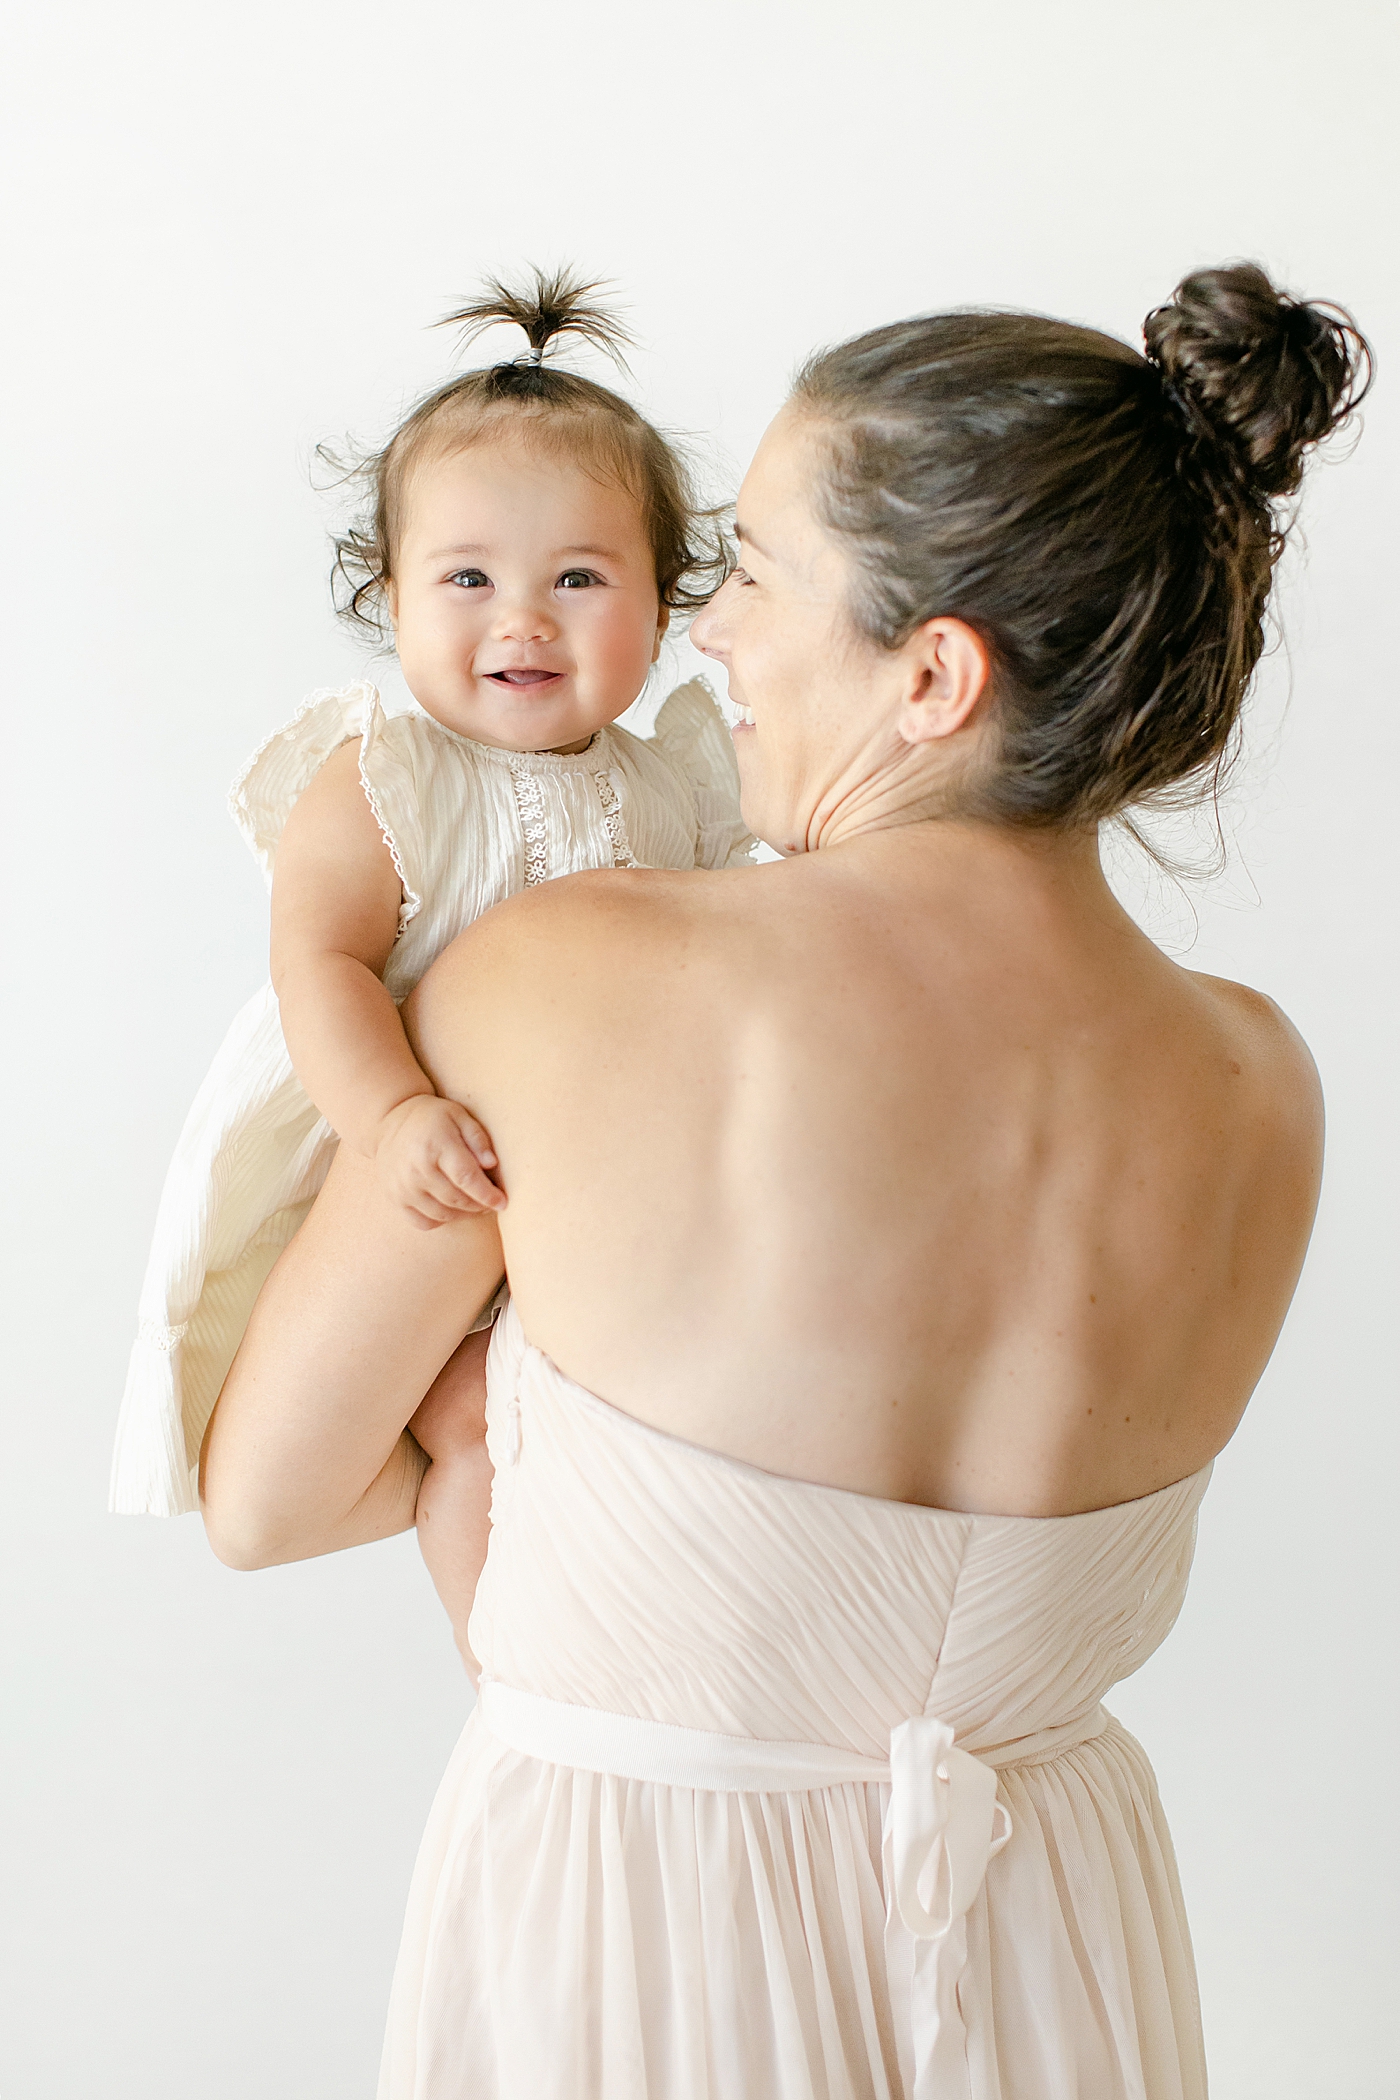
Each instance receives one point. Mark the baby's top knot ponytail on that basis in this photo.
(548, 306)
(1255, 377)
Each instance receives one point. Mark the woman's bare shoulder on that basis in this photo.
(601, 914)
(582, 952)
(1266, 1050)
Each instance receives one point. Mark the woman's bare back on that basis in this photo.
(912, 1167)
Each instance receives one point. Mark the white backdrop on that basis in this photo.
(228, 229)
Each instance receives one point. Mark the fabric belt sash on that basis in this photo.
(943, 1824)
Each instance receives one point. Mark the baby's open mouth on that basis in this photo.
(523, 678)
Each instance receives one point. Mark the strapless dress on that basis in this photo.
(779, 1792)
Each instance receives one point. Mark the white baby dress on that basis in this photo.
(468, 825)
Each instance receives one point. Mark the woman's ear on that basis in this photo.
(949, 667)
(663, 621)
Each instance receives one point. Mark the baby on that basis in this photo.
(528, 537)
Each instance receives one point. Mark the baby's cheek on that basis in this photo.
(620, 650)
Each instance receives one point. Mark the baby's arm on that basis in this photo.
(335, 914)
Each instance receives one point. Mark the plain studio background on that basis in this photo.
(229, 229)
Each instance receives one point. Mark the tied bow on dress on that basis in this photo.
(943, 1826)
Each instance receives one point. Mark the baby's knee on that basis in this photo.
(453, 1437)
(451, 1422)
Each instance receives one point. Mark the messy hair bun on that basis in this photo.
(1258, 377)
(1108, 523)
(563, 412)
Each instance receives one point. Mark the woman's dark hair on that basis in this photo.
(1105, 521)
(563, 413)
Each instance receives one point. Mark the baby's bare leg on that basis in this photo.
(454, 1500)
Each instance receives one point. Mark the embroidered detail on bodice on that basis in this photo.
(534, 821)
(613, 824)
(529, 801)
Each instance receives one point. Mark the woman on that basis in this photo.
(924, 1228)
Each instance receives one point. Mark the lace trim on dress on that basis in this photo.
(529, 801)
(623, 856)
(412, 903)
(355, 704)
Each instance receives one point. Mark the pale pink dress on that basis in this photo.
(777, 1792)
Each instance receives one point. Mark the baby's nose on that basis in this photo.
(525, 622)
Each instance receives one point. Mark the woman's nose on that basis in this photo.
(707, 632)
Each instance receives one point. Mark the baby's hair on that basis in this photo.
(564, 413)
(549, 307)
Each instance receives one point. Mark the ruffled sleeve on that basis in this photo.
(265, 792)
(692, 735)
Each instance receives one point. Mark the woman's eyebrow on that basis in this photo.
(742, 533)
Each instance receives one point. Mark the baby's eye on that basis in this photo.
(577, 579)
(740, 576)
(471, 579)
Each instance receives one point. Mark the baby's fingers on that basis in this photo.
(426, 1212)
(476, 1139)
(464, 1173)
(435, 1187)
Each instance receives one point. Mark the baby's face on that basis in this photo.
(525, 605)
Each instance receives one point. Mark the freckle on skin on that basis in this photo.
(1093, 1297)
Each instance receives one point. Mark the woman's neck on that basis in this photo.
(1052, 860)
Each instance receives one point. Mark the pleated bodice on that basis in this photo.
(637, 1573)
(778, 1792)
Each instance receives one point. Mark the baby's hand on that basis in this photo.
(432, 1157)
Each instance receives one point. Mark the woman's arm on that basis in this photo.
(307, 1450)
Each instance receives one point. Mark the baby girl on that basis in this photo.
(528, 538)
